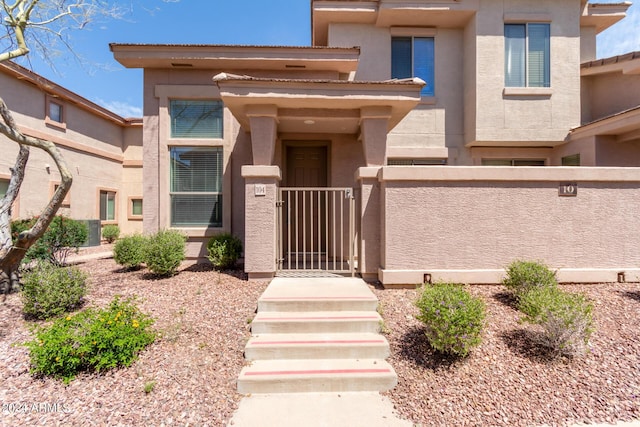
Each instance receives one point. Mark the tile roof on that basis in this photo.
(612, 60)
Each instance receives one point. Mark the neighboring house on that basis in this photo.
(102, 150)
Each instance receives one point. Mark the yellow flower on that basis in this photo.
(68, 317)
(109, 322)
(135, 323)
(57, 359)
(94, 342)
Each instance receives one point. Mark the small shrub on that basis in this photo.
(110, 233)
(224, 250)
(130, 251)
(92, 340)
(63, 236)
(165, 251)
(522, 276)
(49, 291)
(454, 319)
(566, 319)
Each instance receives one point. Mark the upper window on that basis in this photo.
(414, 57)
(107, 205)
(416, 162)
(196, 186)
(196, 118)
(55, 112)
(526, 51)
(573, 160)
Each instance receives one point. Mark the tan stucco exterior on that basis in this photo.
(463, 221)
(102, 149)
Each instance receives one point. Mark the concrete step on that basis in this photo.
(319, 375)
(317, 294)
(317, 346)
(288, 322)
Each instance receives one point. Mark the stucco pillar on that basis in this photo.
(263, 120)
(374, 122)
(261, 185)
(370, 205)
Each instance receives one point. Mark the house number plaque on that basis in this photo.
(568, 189)
(260, 190)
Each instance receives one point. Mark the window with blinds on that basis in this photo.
(196, 118)
(414, 57)
(527, 56)
(196, 186)
(107, 205)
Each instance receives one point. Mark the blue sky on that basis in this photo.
(274, 22)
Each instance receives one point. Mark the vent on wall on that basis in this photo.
(181, 64)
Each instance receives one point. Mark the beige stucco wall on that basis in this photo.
(526, 116)
(91, 145)
(610, 93)
(508, 214)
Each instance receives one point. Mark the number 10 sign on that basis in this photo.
(568, 189)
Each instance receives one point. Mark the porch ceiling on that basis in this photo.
(317, 106)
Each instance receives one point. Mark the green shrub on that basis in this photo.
(566, 319)
(63, 236)
(454, 319)
(224, 250)
(522, 276)
(110, 233)
(49, 290)
(92, 340)
(165, 251)
(129, 251)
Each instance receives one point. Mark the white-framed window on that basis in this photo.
(527, 55)
(196, 186)
(513, 162)
(196, 118)
(107, 205)
(414, 57)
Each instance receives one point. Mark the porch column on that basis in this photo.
(374, 122)
(369, 254)
(261, 185)
(263, 120)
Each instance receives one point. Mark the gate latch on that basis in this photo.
(347, 193)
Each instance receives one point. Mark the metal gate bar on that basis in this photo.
(316, 229)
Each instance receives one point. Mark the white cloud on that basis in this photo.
(623, 37)
(121, 108)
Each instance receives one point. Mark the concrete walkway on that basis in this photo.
(349, 409)
(316, 358)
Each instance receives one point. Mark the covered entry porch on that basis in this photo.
(306, 214)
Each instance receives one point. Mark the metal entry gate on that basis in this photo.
(316, 229)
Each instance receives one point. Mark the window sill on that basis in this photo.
(55, 125)
(199, 231)
(135, 217)
(108, 222)
(527, 91)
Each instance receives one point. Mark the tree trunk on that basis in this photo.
(12, 253)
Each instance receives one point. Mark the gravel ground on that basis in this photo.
(507, 381)
(203, 317)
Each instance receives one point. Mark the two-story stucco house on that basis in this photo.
(102, 150)
(388, 148)
(413, 140)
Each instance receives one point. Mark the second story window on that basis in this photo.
(526, 51)
(414, 57)
(196, 118)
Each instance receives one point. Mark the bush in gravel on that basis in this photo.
(129, 251)
(110, 233)
(566, 319)
(49, 290)
(523, 276)
(92, 340)
(224, 250)
(454, 319)
(165, 251)
(63, 236)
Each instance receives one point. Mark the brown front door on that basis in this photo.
(306, 218)
(306, 166)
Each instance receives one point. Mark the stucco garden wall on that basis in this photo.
(468, 223)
